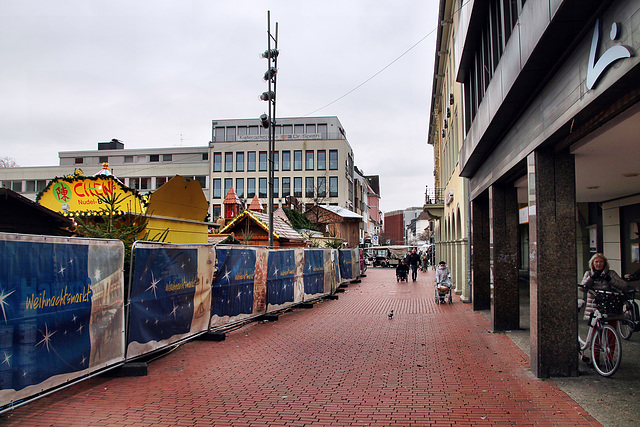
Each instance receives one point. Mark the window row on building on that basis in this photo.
(245, 188)
(235, 133)
(138, 183)
(502, 18)
(250, 160)
(140, 158)
(25, 186)
(153, 183)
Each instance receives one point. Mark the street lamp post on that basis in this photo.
(269, 121)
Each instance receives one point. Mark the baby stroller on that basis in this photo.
(402, 273)
(443, 292)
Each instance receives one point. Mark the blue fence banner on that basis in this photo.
(233, 288)
(170, 296)
(281, 278)
(61, 311)
(314, 268)
(63, 300)
(346, 265)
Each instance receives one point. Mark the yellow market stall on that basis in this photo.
(176, 210)
(180, 207)
(79, 195)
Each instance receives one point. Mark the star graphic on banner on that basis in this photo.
(74, 318)
(46, 340)
(80, 328)
(62, 269)
(173, 312)
(239, 296)
(182, 265)
(226, 275)
(275, 272)
(83, 361)
(154, 284)
(156, 322)
(3, 303)
(7, 359)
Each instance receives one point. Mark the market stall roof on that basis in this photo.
(281, 230)
(21, 215)
(340, 211)
(255, 205)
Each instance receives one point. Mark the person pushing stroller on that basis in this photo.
(443, 282)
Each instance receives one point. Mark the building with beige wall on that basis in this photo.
(446, 136)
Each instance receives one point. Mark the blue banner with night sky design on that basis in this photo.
(169, 295)
(346, 268)
(61, 308)
(233, 287)
(281, 277)
(314, 268)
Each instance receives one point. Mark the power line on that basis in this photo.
(373, 76)
(387, 66)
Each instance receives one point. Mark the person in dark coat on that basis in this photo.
(413, 259)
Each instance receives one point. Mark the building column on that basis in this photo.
(503, 223)
(480, 253)
(552, 239)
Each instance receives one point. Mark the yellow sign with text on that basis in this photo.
(86, 194)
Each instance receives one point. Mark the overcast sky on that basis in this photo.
(155, 73)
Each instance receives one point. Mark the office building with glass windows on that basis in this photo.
(312, 159)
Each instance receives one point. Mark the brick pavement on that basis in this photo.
(342, 363)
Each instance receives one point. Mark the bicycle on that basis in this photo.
(631, 321)
(603, 340)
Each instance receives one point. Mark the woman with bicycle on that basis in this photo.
(600, 277)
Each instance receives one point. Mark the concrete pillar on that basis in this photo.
(480, 254)
(552, 240)
(503, 223)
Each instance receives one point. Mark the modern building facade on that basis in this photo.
(446, 136)
(313, 162)
(551, 123)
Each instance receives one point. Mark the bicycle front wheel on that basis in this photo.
(606, 350)
(626, 326)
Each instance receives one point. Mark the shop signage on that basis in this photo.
(294, 136)
(84, 194)
(597, 67)
(523, 215)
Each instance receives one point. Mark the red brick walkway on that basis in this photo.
(341, 363)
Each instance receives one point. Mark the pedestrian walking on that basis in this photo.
(413, 260)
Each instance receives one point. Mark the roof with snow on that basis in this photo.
(340, 211)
